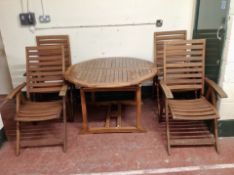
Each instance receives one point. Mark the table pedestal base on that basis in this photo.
(117, 114)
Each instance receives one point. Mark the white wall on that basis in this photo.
(1, 46)
(1, 43)
(227, 70)
(5, 79)
(87, 43)
(1, 124)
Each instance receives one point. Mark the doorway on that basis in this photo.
(211, 24)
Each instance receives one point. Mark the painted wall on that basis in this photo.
(1, 46)
(227, 70)
(1, 124)
(5, 79)
(1, 42)
(68, 17)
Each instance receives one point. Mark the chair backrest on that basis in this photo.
(184, 63)
(45, 67)
(159, 38)
(49, 40)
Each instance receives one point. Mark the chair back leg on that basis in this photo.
(17, 138)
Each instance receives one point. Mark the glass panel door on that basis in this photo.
(210, 23)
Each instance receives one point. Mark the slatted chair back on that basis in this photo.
(45, 67)
(159, 39)
(184, 64)
(49, 40)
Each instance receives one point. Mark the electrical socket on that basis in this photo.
(159, 23)
(44, 18)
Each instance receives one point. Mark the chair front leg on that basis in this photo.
(215, 121)
(167, 127)
(158, 100)
(65, 124)
(71, 103)
(161, 109)
(154, 87)
(17, 138)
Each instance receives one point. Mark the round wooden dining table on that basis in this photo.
(111, 74)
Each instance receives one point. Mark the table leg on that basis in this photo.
(84, 111)
(93, 97)
(119, 116)
(138, 108)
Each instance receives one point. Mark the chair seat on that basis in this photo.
(196, 109)
(39, 111)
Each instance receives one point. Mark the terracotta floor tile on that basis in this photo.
(96, 153)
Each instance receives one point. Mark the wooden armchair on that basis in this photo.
(159, 38)
(50, 40)
(184, 71)
(45, 66)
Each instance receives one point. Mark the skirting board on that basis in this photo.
(226, 128)
(2, 137)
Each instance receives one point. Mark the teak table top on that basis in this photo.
(113, 72)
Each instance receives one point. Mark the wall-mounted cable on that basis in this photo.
(27, 18)
(22, 6)
(27, 5)
(44, 18)
(42, 8)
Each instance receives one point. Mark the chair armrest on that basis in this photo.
(63, 90)
(12, 94)
(15, 91)
(216, 88)
(166, 90)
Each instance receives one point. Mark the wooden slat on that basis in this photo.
(50, 68)
(184, 75)
(57, 40)
(183, 64)
(185, 70)
(113, 130)
(160, 37)
(41, 142)
(178, 87)
(192, 109)
(45, 63)
(47, 84)
(201, 141)
(44, 75)
(45, 90)
(46, 78)
(183, 81)
(184, 47)
(180, 64)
